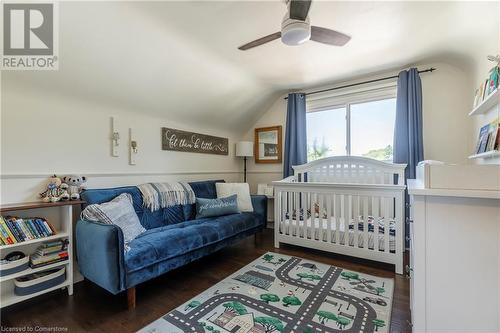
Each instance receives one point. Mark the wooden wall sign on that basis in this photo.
(173, 139)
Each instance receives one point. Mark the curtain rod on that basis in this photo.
(432, 69)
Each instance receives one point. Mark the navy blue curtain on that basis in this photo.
(408, 139)
(295, 134)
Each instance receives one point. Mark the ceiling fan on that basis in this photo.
(296, 29)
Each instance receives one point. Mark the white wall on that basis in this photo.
(446, 99)
(44, 134)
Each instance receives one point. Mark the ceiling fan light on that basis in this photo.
(295, 33)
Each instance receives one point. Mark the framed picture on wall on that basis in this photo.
(268, 144)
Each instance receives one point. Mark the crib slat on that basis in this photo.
(283, 212)
(313, 216)
(347, 219)
(365, 222)
(383, 214)
(296, 197)
(375, 213)
(329, 218)
(290, 214)
(355, 209)
(338, 214)
(321, 202)
(387, 219)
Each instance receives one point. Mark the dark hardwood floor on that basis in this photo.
(92, 309)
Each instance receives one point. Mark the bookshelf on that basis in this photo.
(490, 101)
(60, 215)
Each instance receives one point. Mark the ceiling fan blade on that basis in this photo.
(299, 9)
(260, 41)
(327, 36)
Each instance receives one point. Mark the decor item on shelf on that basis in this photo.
(244, 149)
(216, 207)
(14, 262)
(55, 190)
(268, 144)
(276, 292)
(242, 190)
(177, 140)
(75, 185)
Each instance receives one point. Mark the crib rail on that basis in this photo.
(361, 220)
(350, 169)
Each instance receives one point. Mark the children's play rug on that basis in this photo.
(278, 293)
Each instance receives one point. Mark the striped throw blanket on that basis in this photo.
(162, 195)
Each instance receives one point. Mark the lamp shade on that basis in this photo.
(244, 149)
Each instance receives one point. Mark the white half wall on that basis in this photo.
(45, 134)
(446, 101)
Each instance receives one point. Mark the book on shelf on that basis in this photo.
(489, 136)
(50, 253)
(485, 88)
(488, 86)
(493, 79)
(14, 229)
(483, 138)
(492, 137)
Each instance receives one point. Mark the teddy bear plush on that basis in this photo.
(55, 191)
(75, 185)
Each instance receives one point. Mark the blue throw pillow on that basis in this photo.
(216, 207)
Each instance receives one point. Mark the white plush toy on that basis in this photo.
(75, 185)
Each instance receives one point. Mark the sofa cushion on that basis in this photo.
(163, 243)
(202, 189)
(161, 217)
(119, 212)
(216, 207)
(242, 190)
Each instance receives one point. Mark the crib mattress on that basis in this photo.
(290, 227)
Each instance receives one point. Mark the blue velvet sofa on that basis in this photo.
(173, 238)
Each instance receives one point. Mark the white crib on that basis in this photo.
(343, 204)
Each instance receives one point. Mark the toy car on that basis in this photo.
(375, 300)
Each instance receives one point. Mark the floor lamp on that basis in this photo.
(244, 149)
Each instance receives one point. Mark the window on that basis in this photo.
(356, 125)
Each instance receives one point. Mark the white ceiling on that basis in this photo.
(180, 59)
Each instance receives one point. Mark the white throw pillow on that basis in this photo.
(120, 212)
(242, 190)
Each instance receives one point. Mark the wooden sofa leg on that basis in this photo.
(131, 298)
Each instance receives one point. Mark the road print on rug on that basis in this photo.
(279, 293)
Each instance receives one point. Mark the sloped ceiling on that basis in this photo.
(180, 59)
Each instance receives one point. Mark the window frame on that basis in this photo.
(345, 100)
